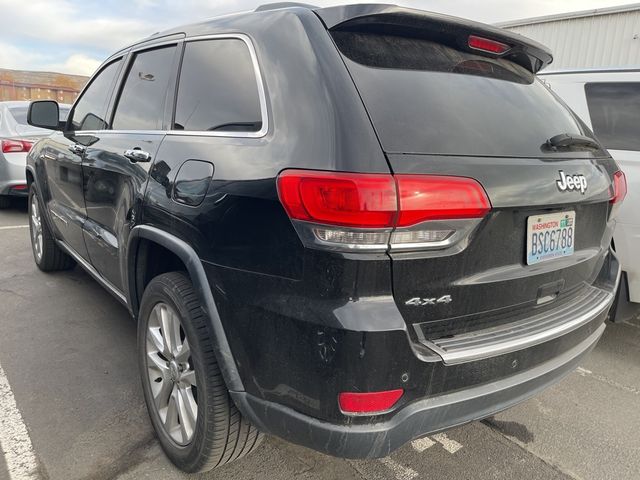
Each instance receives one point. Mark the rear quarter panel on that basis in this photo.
(627, 234)
(270, 291)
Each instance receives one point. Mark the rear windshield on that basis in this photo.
(425, 97)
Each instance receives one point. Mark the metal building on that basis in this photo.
(601, 38)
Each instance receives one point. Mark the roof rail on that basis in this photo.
(275, 6)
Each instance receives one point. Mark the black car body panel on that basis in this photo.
(294, 325)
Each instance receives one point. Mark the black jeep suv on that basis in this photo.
(347, 226)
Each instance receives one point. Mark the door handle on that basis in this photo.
(77, 149)
(136, 155)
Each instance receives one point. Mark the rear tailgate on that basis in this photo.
(440, 106)
(491, 276)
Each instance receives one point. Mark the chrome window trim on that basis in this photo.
(262, 97)
(119, 57)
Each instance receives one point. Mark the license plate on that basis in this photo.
(550, 236)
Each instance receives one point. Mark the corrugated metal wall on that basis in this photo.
(611, 40)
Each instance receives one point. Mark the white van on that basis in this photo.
(609, 102)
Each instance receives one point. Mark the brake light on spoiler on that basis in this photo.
(487, 45)
(356, 211)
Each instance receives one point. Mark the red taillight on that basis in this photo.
(376, 212)
(487, 45)
(426, 197)
(619, 187)
(16, 146)
(347, 199)
(379, 200)
(20, 187)
(355, 403)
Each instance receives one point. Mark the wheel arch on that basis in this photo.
(32, 179)
(193, 267)
(30, 175)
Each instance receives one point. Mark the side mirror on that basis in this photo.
(44, 114)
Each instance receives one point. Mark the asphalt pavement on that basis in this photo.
(71, 404)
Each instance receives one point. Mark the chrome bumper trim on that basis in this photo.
(525, 333)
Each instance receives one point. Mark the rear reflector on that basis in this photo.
(16, 146)
(369, 403)
(619, 187)
(487, 45)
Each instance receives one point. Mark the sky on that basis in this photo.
(75, 36)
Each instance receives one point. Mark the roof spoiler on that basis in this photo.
(391, 19)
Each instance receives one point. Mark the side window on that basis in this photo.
(91, 109)
(615, 113)
(218, 90)
(142, 101)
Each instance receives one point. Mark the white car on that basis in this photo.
(608, 101)
(16, 139)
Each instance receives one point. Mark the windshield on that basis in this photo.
(426, 97)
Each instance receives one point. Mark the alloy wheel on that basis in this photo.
(172, 377)
(36, 228)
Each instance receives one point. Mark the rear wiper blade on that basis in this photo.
(571, 140)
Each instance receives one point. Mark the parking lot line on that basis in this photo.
(12, 227)
(14, 438)
(449, 445)
(400, 471)
(421, 444)
(583, 372)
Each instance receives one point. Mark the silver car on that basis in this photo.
(16, 139)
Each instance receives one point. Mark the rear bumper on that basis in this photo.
(12, 173)
(416, 419)
(8, 189)
(479, 388)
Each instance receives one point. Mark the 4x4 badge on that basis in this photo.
(419, 302)
(571, 182)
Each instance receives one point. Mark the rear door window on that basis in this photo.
(218, 90)
(143, 97)
(614, 109)
(428, 97)
(90, 110)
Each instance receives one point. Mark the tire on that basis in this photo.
(5, 202)
(218, 434)
(46, 252)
